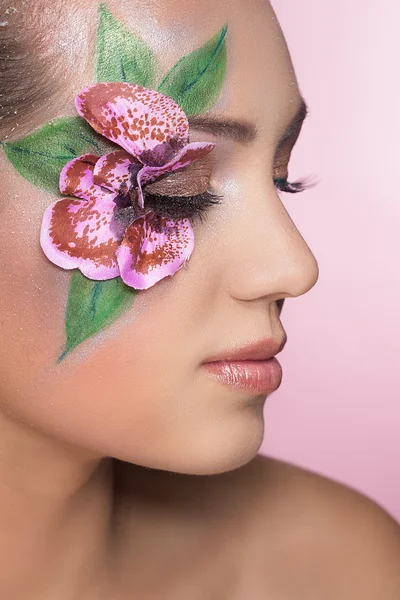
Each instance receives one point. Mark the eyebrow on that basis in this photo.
(236, 130)
(244, 131)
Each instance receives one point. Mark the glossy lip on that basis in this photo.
(252, 369)
(261, 350)
(256, 377)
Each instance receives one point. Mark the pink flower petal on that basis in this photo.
(78, 234)
(76, 178)
(111, 170)
(136, 118)
(187, 155)
(153, 248)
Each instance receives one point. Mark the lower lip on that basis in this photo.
(254, 376)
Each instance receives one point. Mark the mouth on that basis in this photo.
(252, 368)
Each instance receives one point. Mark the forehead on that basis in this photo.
(260, 83)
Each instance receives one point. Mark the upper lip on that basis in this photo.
(260, 350)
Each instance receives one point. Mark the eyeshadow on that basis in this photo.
(188, 181)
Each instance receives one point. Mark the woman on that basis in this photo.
(134, 309)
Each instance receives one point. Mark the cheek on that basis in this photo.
(115, 393)
(121, 391)
(32, 292)
(132, 389)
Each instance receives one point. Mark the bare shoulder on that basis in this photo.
(314, 534)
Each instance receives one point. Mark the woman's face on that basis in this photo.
(136, 390)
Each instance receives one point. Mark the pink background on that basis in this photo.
(338, 409)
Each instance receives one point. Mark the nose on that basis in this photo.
(269, 257)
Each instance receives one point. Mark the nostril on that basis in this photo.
(280, 304)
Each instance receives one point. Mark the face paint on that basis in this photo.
(107, 231)
(92, 234)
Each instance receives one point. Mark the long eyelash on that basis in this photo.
(181, 207)
(195, 207)
(283, 185)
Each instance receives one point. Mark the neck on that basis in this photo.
(72, 524)
(55, 515)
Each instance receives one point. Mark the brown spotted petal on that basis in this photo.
(153, 248)
(112, 170)
(136, 118)
(78, 234)
(76, 177)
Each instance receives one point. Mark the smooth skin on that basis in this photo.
(186, 509)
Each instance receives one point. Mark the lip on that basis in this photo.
(255, 377)
(260, 350)
(252, 368)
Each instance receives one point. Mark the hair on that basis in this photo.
(28, 65)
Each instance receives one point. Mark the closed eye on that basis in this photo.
(195, 207)
(181, 207)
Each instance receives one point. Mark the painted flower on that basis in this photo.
(106, 230)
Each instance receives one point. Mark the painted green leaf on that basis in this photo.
(40, 156)
(196, 80)
(92, 305)
(120, 54)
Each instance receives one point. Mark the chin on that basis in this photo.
(222, 449)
